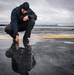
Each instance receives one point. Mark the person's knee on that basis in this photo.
(7, 30)
(32, 21)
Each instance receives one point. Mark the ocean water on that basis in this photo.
(48, 26)
(2, 26)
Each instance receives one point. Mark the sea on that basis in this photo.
(48, 26)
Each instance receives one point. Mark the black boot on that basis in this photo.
(25, 41)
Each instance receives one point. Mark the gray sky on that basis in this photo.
(48, 11)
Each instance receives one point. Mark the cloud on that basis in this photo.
(48, 11)
(65, 4)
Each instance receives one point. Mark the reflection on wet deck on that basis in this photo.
(22, 60)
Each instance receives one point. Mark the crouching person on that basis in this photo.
(22, 19)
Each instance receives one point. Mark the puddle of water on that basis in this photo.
(69, 42)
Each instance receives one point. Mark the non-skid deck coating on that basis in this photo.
(52, 50)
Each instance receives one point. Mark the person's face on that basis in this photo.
(24, 11)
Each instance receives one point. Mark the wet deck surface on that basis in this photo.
(53, 56)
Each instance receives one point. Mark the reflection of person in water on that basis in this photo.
(22, 59)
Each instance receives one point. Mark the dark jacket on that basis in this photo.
(17, 18)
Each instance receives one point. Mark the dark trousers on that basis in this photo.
(25, 26)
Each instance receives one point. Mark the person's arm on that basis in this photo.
(21, 18)
(32, 15)
(14, 23)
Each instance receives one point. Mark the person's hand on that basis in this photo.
(17, 46)
(25, 18)
(17, 38)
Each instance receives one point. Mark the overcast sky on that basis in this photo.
(48, 11)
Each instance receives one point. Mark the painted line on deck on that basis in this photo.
(53, 36)
(41, 36)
